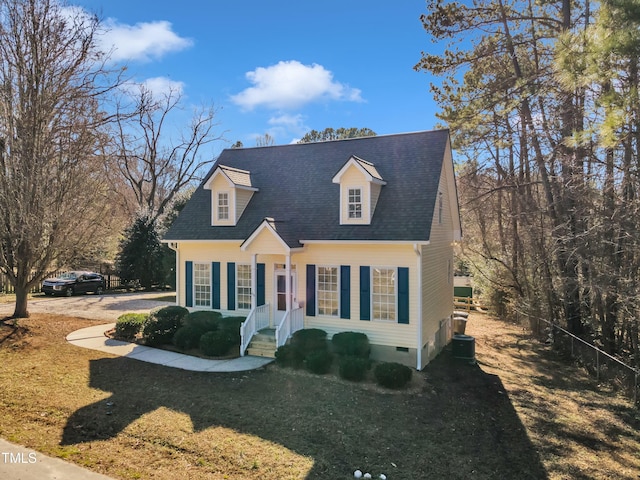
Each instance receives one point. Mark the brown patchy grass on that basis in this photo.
(520, 413)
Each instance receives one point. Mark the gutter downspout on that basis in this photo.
(417, 249)
(174, 246)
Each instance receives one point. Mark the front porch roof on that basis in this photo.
(267, 238)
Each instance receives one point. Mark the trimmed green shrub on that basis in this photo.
(392, 375)
(309, 340)
(319, 361)
(196, 324)
(231, 325)
(353, 344)
(215, 344)
(188, 337)
(129, 325)
(288, 356)
(204, 320)
(162, 324)
(353, 368)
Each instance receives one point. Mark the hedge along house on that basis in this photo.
(348, 235)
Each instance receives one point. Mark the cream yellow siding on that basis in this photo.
(375, 194)
(242, 200)
(437, 271)
(267, 242)
(386, 333)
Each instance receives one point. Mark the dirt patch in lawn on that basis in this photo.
(518, 413)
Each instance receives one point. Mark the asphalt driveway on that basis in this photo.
(106, 307)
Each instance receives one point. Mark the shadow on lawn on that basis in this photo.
(461, 426)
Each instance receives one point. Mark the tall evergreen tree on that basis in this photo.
(141, 253)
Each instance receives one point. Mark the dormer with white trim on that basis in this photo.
(360, 185)
(231, 191)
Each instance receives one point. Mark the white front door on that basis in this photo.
(280, 295)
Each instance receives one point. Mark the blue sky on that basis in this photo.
(281, 67)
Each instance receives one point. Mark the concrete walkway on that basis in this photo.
(94, 338)
(20, 463)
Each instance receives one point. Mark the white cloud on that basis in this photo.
(159, 86)
(143, 41)
(287, 125)
(293, 123)
(289, 85)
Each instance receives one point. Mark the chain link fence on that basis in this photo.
(601, 365)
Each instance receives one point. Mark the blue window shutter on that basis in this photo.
(365, 293)
(215, 284)
(311, 290)
(345, 291)
(231, 286)
(260, 282)
(403, 295)
(188, 275)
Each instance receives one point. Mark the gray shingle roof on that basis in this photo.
(295, 188)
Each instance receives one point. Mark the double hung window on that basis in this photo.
(223, 206)
(328, 291)
(383, 293)
(202, 284)
(355, 203)
(243, 287)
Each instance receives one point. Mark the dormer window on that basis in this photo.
(355, 203)
(360, 186)
(231, 191)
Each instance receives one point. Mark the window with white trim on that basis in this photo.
(383, 293)
(243, 286)
(223, 206)
(202, 284)
(327, 294)
(355, 203)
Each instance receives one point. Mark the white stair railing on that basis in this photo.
(292, 321)
(257, 319)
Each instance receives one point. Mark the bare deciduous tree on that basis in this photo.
(153, 164)
(51, 80)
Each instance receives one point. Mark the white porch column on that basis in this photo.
(254, 280)
(288, 281)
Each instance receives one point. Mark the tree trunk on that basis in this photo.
(21, 311)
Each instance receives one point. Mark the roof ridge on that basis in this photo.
(384, 135)
(234, 169)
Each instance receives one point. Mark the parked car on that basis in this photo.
(70, 283)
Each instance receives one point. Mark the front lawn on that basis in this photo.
(519, 413)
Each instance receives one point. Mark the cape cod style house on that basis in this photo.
(348, 235)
